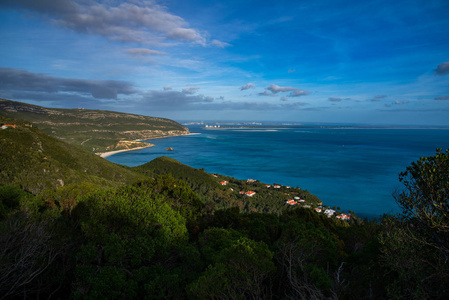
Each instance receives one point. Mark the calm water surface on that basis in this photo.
(356, 169)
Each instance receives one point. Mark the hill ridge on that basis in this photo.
(94, 130)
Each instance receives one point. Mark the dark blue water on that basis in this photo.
(356, 169)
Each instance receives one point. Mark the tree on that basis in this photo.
(239, 273)
(415, 246)
(425, 198)
(28, 252)
(412, 269)
(128, 233)
(305, 255)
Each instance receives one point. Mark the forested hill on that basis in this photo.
(94, 130)
(35, 161)
(76, 226)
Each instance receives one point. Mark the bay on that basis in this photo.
(352, 168)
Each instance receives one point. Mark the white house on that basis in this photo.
(329, 212)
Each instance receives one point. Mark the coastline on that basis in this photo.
(168, 136)
(323, 127)
(109, 153)
(106, 154)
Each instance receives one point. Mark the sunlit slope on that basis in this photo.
(94, 130)
(35, 161)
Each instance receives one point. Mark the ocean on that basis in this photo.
(352, 168)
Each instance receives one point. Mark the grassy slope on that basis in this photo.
(35, 161)
(94, 130)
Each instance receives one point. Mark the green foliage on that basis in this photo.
(34, 161)
(415, 247)
(93, 130)
(96, 230)
(10, 199)
(177, 193)
(238, 273)
(198, 180)
(261, 227)
(127, 230)
(266, 200)
(425, 197)
(214, 240)
(414, 269)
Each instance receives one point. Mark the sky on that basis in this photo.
(365, 62)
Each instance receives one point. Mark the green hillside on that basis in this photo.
(209, 187)
(35, 161)
(94, 130)
(75, 226)
(198, 180)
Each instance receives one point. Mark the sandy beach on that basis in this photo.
(106, 154)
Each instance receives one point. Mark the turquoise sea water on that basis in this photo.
(356, 169)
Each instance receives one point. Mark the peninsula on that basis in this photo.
(97, 131)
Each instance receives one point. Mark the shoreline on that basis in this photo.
(163, 137)
(109, 153)
(321, 127)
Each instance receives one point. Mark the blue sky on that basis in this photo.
(375, 62)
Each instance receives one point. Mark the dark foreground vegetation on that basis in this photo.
(73, 225)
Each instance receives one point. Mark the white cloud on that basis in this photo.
(378, 97)
(172, 100)
(397, 102)
(294, 92)
(25, 81)
(247, 86)
(139, 52)
(219, 44)
(190, 91)
(442, 69)
(133, 21)
(265, 93)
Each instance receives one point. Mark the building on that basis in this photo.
(4, 126)
(344, 217)
(329, 212)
